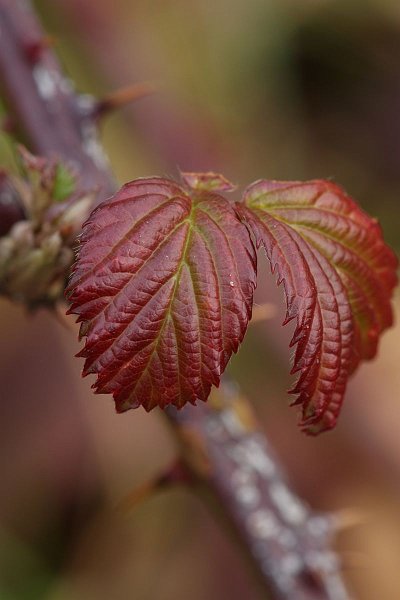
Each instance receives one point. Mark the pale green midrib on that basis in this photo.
(361, 282)
(265, 206)
(124, 286)
(300, 226)
(320, 352)
(167, 316)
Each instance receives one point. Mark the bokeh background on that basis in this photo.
(290, 89)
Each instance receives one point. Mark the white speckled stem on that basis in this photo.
(290, 544)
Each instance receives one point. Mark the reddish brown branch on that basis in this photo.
(290, 544)
(228, 455)
(53, 118)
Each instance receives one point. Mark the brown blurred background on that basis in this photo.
(290, 89)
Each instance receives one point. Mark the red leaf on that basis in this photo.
(338, 277)
(164, 284)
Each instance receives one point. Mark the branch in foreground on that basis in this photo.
(223, 444)
(288, 545)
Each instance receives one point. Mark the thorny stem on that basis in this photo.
(222, 446)
(53, 118)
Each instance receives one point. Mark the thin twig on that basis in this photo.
(123, 96)
(177, 473)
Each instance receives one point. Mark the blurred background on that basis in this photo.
(283, 89)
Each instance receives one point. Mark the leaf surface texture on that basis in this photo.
(338, 277)
(163, 286)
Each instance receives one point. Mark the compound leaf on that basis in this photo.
(163, 285)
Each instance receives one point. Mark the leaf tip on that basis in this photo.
(210, 182)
